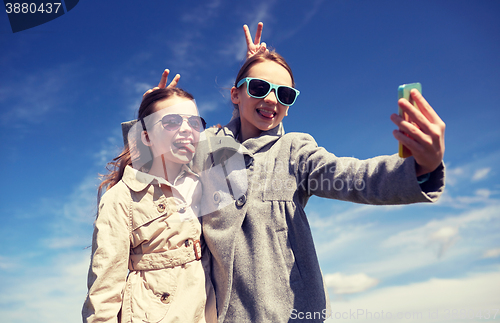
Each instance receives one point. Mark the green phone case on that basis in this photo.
(404, 92)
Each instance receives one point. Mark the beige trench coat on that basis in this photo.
(145, 254)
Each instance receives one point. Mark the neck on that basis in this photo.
(167, 170)
(248, 132)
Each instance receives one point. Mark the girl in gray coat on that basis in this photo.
(257, 181)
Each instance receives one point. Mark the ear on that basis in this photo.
(145, 139)
(286, 111)
(235, 95)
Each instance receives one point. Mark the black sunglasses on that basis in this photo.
(257, 88)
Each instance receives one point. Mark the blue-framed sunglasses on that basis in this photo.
(257, 88)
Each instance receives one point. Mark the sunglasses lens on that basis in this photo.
(196, 123)
(171, 121)
(258, 88)
(286, 95)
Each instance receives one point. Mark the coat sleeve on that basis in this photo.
(380, 180)
(110, 255)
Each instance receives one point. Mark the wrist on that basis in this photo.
(420, 171)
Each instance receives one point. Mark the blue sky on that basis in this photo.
(66, 86)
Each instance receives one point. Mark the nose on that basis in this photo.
(185, 127)
(271, 97)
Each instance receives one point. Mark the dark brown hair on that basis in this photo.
(259, 58)
(116, 167)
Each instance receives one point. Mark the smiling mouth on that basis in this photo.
(266, 113)
(184, 144)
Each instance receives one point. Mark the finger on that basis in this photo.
(263, 47)
(415, 115)
(248, 36)
(411, 130)
(425, 107)
(163, 80)
(174, 81)
(258, 33)
(406, 126)
(408, 142)
(151, 90)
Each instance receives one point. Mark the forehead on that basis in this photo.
(270, 71)
(177, 105)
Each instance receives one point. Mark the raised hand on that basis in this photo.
(425, 131)
(163, 82)
(254, 47)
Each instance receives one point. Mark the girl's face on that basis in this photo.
(178, 146)
(258, 115)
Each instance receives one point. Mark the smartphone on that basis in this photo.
(404, 92)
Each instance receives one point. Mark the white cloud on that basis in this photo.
(207, 106)
(443, 231)
(429, 301)
(492, 253)
(110, 148)
(349, 284)
(445, 237)
(371, 243)
(7, 263)
(481, 174)
(474, 170)
(454, 175)
(482, 196)
(53, 293)
(43, 86)
(483, 192)
(142, 87)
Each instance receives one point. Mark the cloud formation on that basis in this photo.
(349, 284)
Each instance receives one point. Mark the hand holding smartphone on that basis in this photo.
(404, 92)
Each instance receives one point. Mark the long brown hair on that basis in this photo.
(116, 167)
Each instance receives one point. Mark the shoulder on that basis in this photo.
(298, 138)
(191, 179)
(118, 195)
(212, 131)
(297, 141)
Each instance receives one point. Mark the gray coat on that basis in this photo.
(265, 266)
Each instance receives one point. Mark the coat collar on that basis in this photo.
(138, 181)
(252, 145)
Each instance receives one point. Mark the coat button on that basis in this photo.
(161, 207)
(182, 210)
(165, 298)
(241, 200)
(217, 198)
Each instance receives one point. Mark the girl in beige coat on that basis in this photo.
(147, 263)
